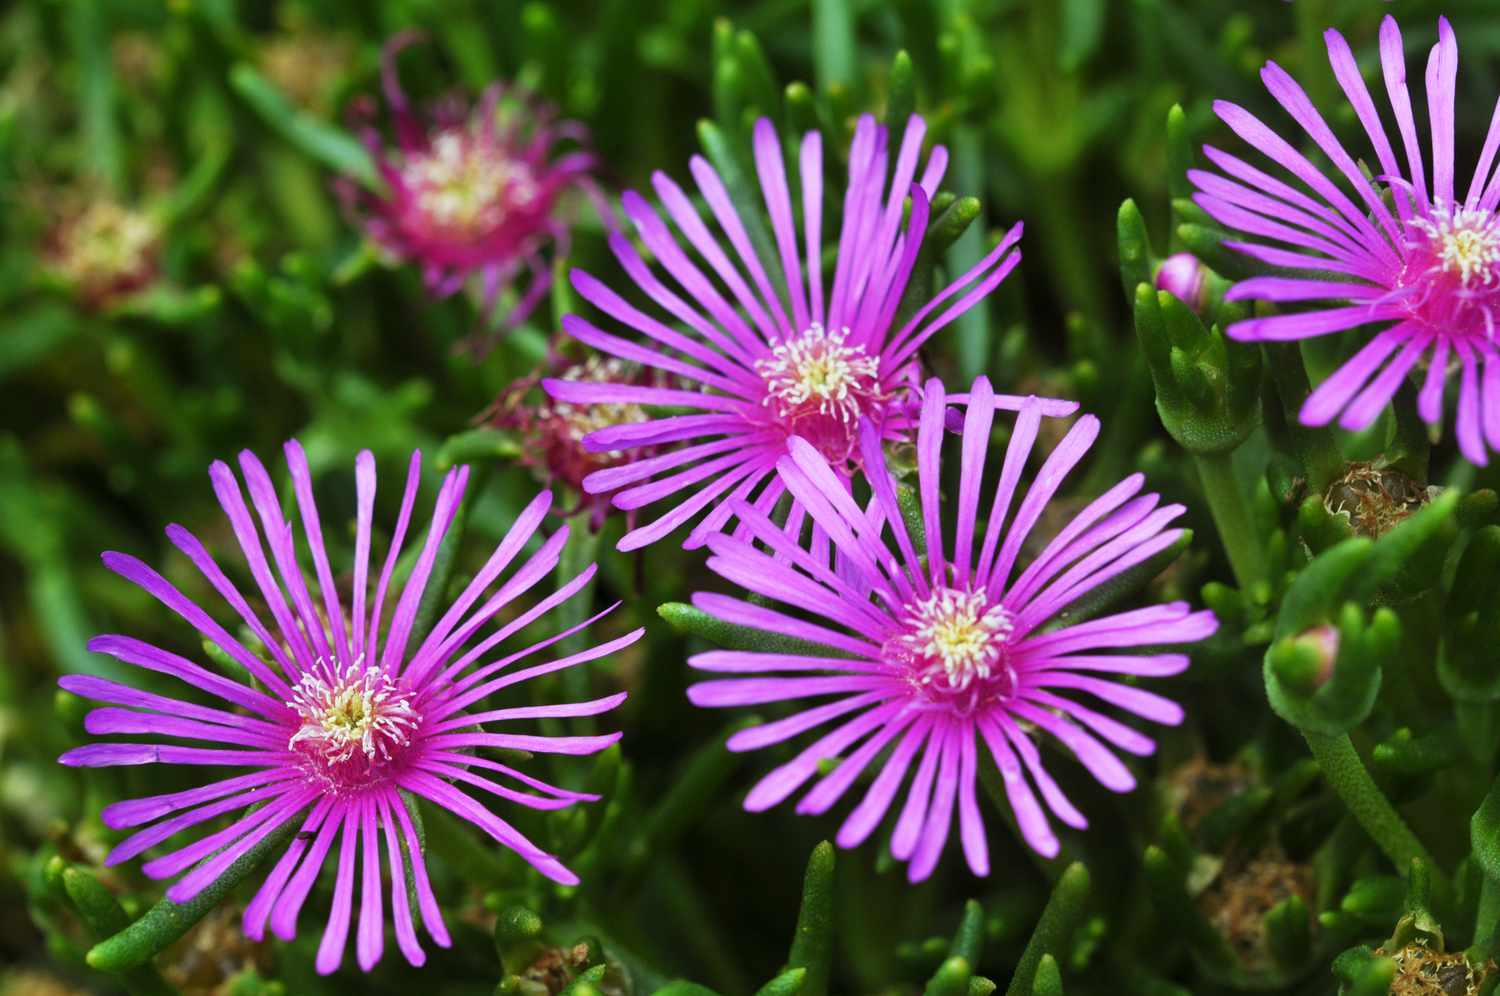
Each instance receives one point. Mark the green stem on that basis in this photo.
(580, 552)
(1411, 443)
(1487, 919)
(89, 33)
(1132, 417)
(972, 329)
(1317, 447)
(1059, 220)
(1479, 726)
(1054, 931)
(1247, 555)
(833, 43)
(1368, 805)
(702, 930)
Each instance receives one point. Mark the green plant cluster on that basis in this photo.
(1327, 820)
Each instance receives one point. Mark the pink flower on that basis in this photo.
(763, 356)
(938, 652)
(471, 191)
(552, 432)
(1402, 255)
(342, 712)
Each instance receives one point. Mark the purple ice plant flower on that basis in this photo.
(340, 711)
(936, 652)
(759, 357)
(1401, 255)
(471, 191)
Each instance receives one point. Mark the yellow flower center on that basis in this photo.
(1465, 243)
(958, 637)
(350, 711)
(816, 372)
(464, 186)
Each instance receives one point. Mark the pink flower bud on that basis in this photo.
(1184, 278)
(1324, 641)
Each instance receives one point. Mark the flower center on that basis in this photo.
(1464, 243)
(355, 720)
(955, 644)
(107, 243)
(817, 387)
(815, 373)
(576, 421)
(465, 186)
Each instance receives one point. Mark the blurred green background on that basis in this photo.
(262, 314)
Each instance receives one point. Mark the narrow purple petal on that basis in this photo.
(866, 816)
(336, 933)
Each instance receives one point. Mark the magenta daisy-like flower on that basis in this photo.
(1398, 252)
(759, 355)
(471, 191)
(937, 652)
(344, 710)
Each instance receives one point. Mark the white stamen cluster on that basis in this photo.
(958, 635)
(580, 420)
(1465, 243)
(350, 709)
(817, 372)
(465, 185)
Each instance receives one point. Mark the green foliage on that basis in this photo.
(135, 944)
(1342, 728)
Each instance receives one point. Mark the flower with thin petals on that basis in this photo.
(552, 432)
(1396, 252)
(936, 652)
(104, 250)
(471, 192)
(346, 710)
(762, 352)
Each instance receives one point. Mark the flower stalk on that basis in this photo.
(1347, 775)
(1231, 512)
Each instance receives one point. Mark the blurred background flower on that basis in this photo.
(470, 192)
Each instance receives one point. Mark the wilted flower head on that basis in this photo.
(472, 191)
(346, 709)
(1374, 498)
(1402, 253)
(104, 250)
(934, 650)
(764, 356)
(552, 432)
(1245, 889)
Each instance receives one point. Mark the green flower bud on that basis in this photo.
(1364, 973)
(1326, 679)
(1375, 899)
(1288, 932)
(1207, 387)
(1404, 753)
(1305, 662)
